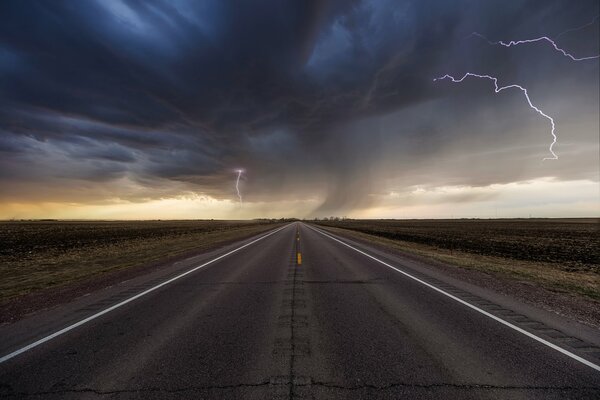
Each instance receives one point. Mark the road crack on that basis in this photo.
(448, 385)
(136, 390)
(291, 383)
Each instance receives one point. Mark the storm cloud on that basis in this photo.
(327, 100)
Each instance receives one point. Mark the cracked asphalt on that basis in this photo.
(264, 323)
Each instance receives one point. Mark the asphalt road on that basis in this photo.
(296, 314)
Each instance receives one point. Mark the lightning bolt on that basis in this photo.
(237, 183)
(498, 89)
(542, 39)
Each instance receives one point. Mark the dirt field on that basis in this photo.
(561, 254)
(36, 256)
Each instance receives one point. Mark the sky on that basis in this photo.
(126, 109)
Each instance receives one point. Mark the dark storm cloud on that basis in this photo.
(296, 92)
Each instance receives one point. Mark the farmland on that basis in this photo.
(41, 255)
(560, 254)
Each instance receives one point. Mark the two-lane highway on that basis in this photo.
(295, 314)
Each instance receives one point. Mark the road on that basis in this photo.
(296, 314)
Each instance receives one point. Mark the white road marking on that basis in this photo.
(129, 300)
(487, 314)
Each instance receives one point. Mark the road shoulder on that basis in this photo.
(574, 315)
(52, 297)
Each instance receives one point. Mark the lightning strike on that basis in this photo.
(540, 39)
(511, 43)
(237, 183)
(498, 89)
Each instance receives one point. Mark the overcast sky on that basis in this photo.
(146, 109)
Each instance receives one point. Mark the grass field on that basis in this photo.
(560, 254)
(38, 255)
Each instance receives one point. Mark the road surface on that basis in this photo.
(295, 314)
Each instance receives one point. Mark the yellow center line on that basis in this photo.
(299, 258)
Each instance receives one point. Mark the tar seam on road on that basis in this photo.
(487, 314)
(122, 303)
(292, 336)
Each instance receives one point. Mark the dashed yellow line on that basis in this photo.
(299, 258)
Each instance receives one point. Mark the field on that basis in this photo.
(38, 255)
(561, 254)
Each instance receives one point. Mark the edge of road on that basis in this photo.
(181, 269)
(487, 303)
(48, 298)
(440, 271)
(563, 304)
